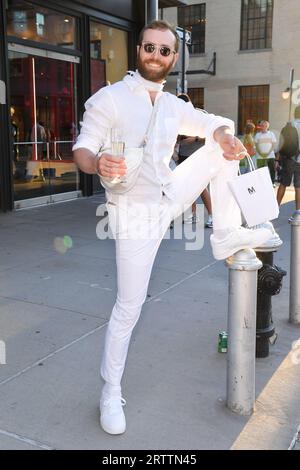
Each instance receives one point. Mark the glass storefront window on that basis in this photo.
(109, 55)
(35, 23)
(43, 124)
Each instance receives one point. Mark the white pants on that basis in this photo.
(135, 257)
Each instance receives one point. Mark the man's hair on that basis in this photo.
(297, 112)
(161, 26)
(249, 128)
(265, 122)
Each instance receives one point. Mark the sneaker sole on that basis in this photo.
(225, 254)
(109, 430)
(228, 253)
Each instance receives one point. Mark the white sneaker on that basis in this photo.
(112, 418)
(193, 219)
(209, 222)
(238, 239)
(274, 241)
(188, 219)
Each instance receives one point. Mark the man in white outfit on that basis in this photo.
(130, 104)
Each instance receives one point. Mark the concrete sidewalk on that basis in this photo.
(55, 301)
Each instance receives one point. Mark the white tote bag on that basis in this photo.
(255, 195)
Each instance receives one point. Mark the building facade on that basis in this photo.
(53, 56)
(254, 43)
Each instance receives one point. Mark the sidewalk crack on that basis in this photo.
(26, 440)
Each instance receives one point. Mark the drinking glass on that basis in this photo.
(117, 149)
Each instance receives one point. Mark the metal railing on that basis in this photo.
(57, 143)
(59, 148)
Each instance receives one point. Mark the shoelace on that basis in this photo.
(114, 403)
(254, 227)
(265, 226)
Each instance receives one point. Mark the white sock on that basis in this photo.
(111, 390)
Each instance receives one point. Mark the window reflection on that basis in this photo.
(35, 23)
(43, 125)
(109, 55)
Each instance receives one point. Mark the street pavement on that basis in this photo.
(57, 288)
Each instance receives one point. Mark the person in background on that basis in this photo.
(265, 142)
(289, 158)
(187, 146)
(15, 135)
(39, 138)
(258, 126)
(248, 141)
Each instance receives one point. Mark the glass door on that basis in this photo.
(43, 122)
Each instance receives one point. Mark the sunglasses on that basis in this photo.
(149, 48)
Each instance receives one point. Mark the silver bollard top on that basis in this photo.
(244, 260)
(295, 219)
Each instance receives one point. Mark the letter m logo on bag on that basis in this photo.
(251, 190)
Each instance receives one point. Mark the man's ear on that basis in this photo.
(176, 57)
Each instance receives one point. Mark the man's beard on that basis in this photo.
(152, 74)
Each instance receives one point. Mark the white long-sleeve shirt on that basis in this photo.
(127, 105)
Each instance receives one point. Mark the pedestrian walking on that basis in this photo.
(289, 158)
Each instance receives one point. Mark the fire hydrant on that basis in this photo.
(269, 283)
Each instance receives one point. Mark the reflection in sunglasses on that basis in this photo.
(150, 48)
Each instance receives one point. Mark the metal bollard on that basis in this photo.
(243, 267)
(295, 269)
(269, 283)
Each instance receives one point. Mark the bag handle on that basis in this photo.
(250, 162)
(150, 126)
